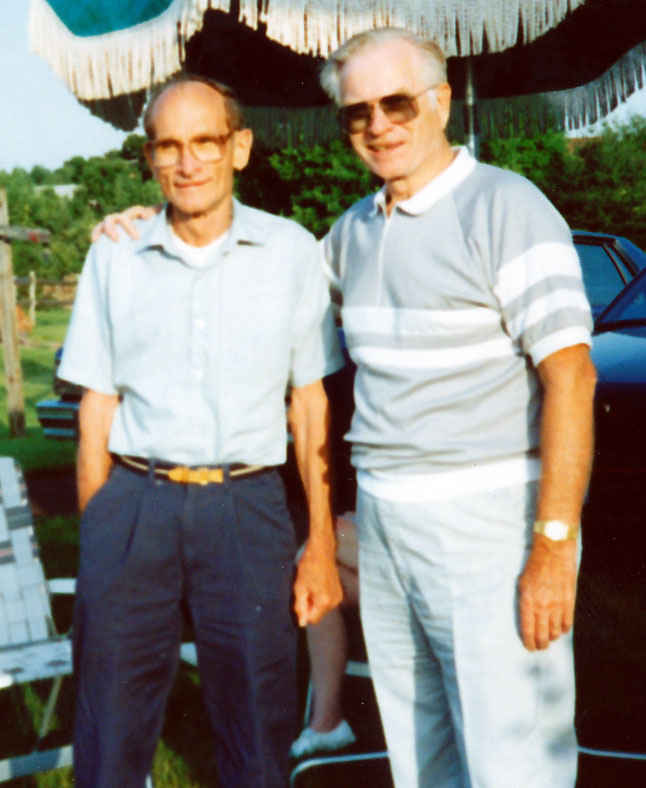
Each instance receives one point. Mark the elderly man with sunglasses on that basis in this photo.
(185, 341)
(464, 311)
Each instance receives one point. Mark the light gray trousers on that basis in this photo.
(463, 703)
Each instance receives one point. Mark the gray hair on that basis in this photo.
(232, 106)
(433, 59)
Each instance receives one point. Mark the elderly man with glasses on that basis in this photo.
(464, 311)
(185, 341)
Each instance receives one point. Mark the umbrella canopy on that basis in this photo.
(110, 52)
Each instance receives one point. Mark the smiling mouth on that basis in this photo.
(385, 147)
(189, 184)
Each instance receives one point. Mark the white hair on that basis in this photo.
(432, 57)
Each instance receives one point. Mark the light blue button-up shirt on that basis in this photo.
(202, 356)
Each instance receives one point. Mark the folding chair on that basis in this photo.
(363, 714)
(30, 648)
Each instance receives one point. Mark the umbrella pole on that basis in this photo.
(471, 126)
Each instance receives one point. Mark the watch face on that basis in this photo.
(556, 530)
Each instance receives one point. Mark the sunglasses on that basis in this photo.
(397, 107)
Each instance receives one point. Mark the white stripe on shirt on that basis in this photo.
(533, 266)
(451, 484)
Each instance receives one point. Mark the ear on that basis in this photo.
(242, 142)
(443, 95)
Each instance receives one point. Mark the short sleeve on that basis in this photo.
(539, 284)
(315, 350)
(87, 356)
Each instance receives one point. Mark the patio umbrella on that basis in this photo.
(110, 52)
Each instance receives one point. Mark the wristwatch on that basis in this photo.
(556, 530)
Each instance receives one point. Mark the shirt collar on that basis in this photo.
(459, 169)
(245, 229)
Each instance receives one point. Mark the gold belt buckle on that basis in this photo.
(185, 475)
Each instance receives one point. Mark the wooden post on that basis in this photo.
(9, 333)
(32, 298)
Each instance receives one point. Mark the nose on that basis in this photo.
(379, 121)
(187, 162)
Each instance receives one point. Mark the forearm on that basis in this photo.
(567, 439)
(310, 424)
(317, 588)
(93, 462)
(547, 585)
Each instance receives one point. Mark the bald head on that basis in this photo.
(214, 89)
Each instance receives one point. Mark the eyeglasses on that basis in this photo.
(166, 153)
(397, 107)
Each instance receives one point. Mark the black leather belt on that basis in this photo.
(184, 474)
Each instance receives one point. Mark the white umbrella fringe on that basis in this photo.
(122, 62)
(99, 67)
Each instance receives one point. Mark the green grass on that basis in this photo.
(37, 359)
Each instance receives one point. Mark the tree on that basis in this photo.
(133, 150)
(40, 174)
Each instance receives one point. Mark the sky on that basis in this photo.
(42, 123)
(40, 120)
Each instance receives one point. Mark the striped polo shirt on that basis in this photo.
(448, 306)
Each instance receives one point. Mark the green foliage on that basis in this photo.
(102, 185)
(538, 158)
(311, 185)
(610, 193)
(597, 185)
(133, 150)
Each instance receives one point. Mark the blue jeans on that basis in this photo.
(226, 551)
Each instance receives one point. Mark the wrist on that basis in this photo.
(556, 530)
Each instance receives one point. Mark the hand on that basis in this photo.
(547, 591)
(317, 588)
(113, 221)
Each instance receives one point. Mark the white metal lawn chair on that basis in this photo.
(30, 647)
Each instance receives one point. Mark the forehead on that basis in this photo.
(187, 109)
(379, 70)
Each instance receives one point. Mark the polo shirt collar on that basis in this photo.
(245, 229)
(459, 169)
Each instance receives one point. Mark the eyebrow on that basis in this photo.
(202, 135)
(397, 92)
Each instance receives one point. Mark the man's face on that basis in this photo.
(414, 151)
(185, 118)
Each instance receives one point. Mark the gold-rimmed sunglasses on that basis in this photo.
(397, 107)
(206, 149)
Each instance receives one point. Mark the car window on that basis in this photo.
(624, 270)
(631, 306)
(636, 309)
(601, 278)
